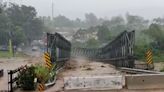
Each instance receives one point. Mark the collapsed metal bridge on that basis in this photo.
(118, 52)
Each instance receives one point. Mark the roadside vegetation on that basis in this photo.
(33, 75)
(19, 23)
(6, 54)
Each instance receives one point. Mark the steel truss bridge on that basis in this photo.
(118, 52)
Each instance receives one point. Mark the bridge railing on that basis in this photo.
(59, 49)
(13, 78)
(119, 51)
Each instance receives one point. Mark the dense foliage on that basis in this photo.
(26, 80)
(20, 23)
(149, 35)
(28, 75)
(42, 73)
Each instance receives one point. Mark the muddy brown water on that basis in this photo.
(76, 67)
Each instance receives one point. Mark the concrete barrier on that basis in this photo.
(93, 82)
(145, 81)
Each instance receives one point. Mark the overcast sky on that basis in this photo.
(101, 8)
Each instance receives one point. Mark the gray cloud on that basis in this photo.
(102, 8)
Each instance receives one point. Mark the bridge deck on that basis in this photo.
(81, 67)
(84, 67)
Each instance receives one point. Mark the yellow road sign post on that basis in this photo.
(48, 64)
(47, 58)
(41, 87)
(149, 59)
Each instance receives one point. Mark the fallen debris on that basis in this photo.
(89, 68)
(102, 66)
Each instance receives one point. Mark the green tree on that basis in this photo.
(136, 22)
(116, 25)
(92, 43)
(25, 18)
(62, 21)
(21, 21)
(117, 20)
(155, 32)
(158, 20)
(4, 28)
(18, 36)
(103, 34)
(91, 19)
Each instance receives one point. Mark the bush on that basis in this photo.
(52, 73)
(42, 73)
(140, 51)
(26, 80)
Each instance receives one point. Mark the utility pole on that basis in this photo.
(52, 9)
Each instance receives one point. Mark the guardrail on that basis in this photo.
(12, 78)
(59, 49)
(137, 71)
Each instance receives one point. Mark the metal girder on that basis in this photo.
(59, 48)
(119, 51)
(121, 46)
